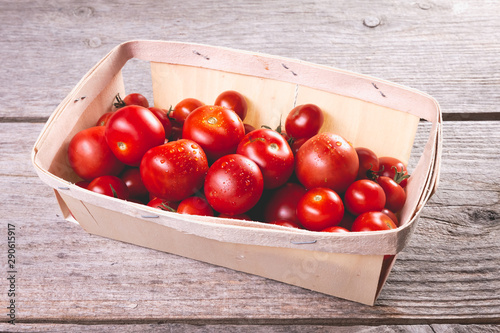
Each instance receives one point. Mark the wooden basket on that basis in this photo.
(368, 112)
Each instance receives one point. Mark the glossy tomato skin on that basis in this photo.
(395, 194)
(373, 221)
(136, 99)
(234, 184)
(111, 186)
(319, 209)
(90, 156)
(161, 114)
(285, 223)
(216, 129)
(163, 204)
(282, 205)
(132, 131)
(233, 100)
(304, 121)
(272, 154)
(195, 206)
(103, 120)
(336, 228)
(175, 170)
(184, 108)
(364, 195)
(132, 178)
(388, 167)
(327, 160)
(368, 160)
(393, 216)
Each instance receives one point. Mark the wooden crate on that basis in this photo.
(366, 111)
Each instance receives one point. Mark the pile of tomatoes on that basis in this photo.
(205, 160)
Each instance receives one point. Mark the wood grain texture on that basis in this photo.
(446, 48)
(449, 273)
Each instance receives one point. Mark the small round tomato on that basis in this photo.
(364, 195)
(132, 131)
(285, 223)
(233, 100)
(163, 204)
(304, 121)
(90, 156)
(83, 184)
(103, 120)
(183, 109)
(109, 185)
(174, 170)
(327, 160)
(282, 205)
(373, 221)
(319, 209)
(195, 206)
(272, 154)
(132, 178)
(216, 129)
(393, 216)
(394, 193)
(234, 184)
(335, 228)
(132, 99)
(393, 168)
(368, 161)
(161, 114)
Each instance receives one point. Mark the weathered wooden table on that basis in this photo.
(447, 279)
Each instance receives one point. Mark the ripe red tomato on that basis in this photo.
(111, 186)
(237, 217)
(132, 178)
(327, 160)
(183, 109)
(319, 209)
(393, 168)
(163, 204)
(248, 128)
(393, 216)
(272, 154)
(90, 156)
(285, 223)
(131, 132)
(304, 121)
(195, 206)
(233, 100)
(161, 114)
(368, 160)
(282, 205)
(234, 184)
(103, 120)
(216, 129)
(335, 228)
(373, 221)
(395, 194)
(364, 195)
(174, 170)
(132, 99)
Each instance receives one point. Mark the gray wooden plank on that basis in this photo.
(446, 48)
(448, 273)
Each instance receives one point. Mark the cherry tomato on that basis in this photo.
(335, 228)
(373, 221)
(183, 109)
(364, 195)
(176, 133)
(131, 99)
(163, 204)
(272, 154)
(90, 156)
(319, 209)
(304, 121)
(234, 184)
(282, 205)
(395, 194)
(174, 170)
(297, 143)
(233, 100)
(103, 120)
(83, 184)
(393, 168)
(285, 223)
(216, 129)
(393, 216)
(131, 132)
(327, 160)
(109, 185)
(132, 178)
(368, 160)
(195, 206)
(161, 114)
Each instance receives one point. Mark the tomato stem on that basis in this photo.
(119, 102)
